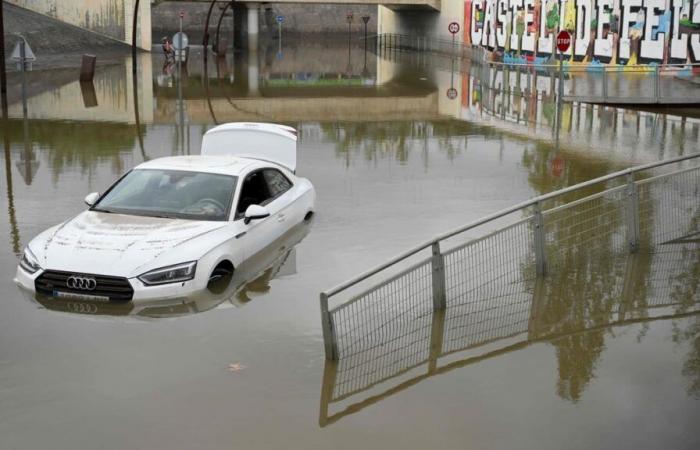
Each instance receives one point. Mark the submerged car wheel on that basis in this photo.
(220, 277)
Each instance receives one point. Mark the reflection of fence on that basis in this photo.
(509, 316)
(548, 236)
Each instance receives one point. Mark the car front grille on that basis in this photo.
(116, 288)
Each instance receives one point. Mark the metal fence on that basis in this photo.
(614, 214)
(599, 289)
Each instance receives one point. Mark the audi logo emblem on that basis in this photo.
(81, 283)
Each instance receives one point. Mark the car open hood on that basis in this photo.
(116, 244)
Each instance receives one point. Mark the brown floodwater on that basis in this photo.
(612, 361)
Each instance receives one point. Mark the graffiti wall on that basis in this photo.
(603, 31)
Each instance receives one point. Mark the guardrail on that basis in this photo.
(540, 241)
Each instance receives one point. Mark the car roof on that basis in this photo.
(225, 165)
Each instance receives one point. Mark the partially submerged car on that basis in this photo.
(172, 226)
(250, 279)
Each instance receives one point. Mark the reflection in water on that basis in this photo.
(250, 278)
(14, 229)
(572, 310)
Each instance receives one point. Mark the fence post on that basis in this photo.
(632, 210)
(540, 256)
(329, 339)
(438, 266)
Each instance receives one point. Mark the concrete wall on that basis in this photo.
(423, 23)
(313, 18)
(111, 18)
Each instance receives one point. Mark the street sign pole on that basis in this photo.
(365, 19)
(453, 28)
(563, 43)
(179, 38)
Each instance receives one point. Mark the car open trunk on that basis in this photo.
(264, 141)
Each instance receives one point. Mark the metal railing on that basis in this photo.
(426, 44)
(552, 230)
(601, 291)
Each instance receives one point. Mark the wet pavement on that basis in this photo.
(394, 161)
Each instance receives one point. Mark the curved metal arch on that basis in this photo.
(133, 35)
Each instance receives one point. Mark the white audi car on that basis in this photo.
(172, 226)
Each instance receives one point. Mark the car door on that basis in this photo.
(256, 190)
(282, 201)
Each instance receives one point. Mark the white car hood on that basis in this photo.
(116, 244)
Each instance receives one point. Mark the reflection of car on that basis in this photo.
(250, 279)
(171, 226)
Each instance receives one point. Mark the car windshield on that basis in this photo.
(171, 193)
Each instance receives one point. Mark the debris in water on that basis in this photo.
(235, 367)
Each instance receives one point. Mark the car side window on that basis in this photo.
(253, 192)
(277, 183)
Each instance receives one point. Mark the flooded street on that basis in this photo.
(394, 161)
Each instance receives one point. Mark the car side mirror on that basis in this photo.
(92, 198)
(255, 212)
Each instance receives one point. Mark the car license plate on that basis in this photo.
(73, 295)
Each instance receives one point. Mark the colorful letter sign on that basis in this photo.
(602, 31)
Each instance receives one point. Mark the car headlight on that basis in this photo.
(170, 274)
(28, 262)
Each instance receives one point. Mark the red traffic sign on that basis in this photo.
(452, 93)
(563, 41)
(453, 28)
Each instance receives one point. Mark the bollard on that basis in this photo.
(87, 68)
